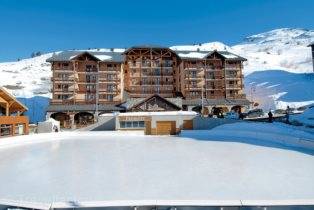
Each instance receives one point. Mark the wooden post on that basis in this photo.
(7, 109)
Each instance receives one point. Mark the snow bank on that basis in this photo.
(265, 134)
(285, 104)
(306, 118)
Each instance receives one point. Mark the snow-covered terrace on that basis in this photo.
(76, 169)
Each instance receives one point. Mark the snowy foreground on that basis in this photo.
(94, 168)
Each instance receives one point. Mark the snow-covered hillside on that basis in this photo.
(281, 49)
(28, 77)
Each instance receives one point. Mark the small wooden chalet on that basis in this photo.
(11, 120)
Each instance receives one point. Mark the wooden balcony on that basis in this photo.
(70, 71)
(234, 86)
(233, 67)
(236, 96)
(193, 87)
(215, 87)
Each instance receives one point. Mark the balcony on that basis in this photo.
(233, 78)
(215, 87)
(193, 87)
(91, 70)
(236, 96)
(151, 89)
(234, 86)
(62, 70)
(112, 69)
(233, 67)
(62, 79)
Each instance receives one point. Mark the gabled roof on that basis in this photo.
(101, 56)
(157, 97)
(149, 47)
(136, 102)
(15, 105)
(185, 54)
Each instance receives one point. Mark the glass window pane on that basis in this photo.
(135, 124)
(122, 124)
(141, 124)
(128, 124)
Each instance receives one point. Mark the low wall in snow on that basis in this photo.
(205, 123)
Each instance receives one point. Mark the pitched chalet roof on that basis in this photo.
(132, 102)
(119, 57)
(101, 56)
(15, 105)
(149, 47)
(186, 54)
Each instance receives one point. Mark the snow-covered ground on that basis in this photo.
(279, 89)
(264, 134)
(282, 49)
(28, 77)
(306, 118)
(96, 167)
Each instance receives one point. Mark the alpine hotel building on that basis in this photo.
(143, 78)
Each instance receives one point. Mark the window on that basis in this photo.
(129, 124)
(141, 124)
(132, 124)
(90, 97)
(110, 97)
(122, 124)
(111, 87)
(90, 87)
(62, 97)
(135, 124)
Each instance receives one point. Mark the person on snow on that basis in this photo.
(270, 116)
(287, 115)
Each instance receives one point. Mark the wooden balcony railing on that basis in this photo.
(236, 96)
(234, 86)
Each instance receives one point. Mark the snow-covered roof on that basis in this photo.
(187, 54)
(101, 55)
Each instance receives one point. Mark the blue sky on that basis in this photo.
(49, 25)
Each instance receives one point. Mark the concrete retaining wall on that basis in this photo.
(205, 123)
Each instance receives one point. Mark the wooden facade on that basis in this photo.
(11, 121)
(84, 80)
(212, 77)
(150, 71)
